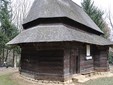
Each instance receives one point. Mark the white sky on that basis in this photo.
(102, 4)
(105, 5)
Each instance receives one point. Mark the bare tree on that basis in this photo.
(20, 11)
(110, 17)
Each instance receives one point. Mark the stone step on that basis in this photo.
(89, 76)
(79, 78)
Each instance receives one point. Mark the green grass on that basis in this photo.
(5, 80)
(100, 81)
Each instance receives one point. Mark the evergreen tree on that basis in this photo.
(7, 28)
(96, 15)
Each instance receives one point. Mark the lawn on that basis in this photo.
(100, 81)
(6, 80)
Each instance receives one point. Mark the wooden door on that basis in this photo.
(74, 61)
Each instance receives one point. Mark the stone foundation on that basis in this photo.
(47, 82)
(91, 76)
(44, 77)
(76, 79)
(32, 78)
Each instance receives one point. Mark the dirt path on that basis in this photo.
(4, 70)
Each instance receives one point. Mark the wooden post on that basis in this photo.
(14, 59)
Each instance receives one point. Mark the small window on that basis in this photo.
(88, 52)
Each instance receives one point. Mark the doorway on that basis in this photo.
(74, 62)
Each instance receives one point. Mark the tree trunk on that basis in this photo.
(14, 60)
(7, 52)
(3, 57)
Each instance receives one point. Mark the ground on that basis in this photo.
(10, 76)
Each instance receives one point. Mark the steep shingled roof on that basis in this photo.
(57, 33)
(60, 8)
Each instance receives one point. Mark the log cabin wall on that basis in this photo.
(60, 61)
(43, 62)
(101, 63)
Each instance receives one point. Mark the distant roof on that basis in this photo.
(57, 33)
(60, 8)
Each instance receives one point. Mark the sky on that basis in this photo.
(105, 5)
(102, 4)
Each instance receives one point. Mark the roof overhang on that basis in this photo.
(57, 33)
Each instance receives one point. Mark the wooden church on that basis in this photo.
(60, 40)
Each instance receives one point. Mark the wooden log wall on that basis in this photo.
(59, 61)
(101, 59)
(43, 63)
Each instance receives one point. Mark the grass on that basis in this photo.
(100, 81)
(6, 80)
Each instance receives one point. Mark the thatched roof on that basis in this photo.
(60, 8)
(57, 33)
